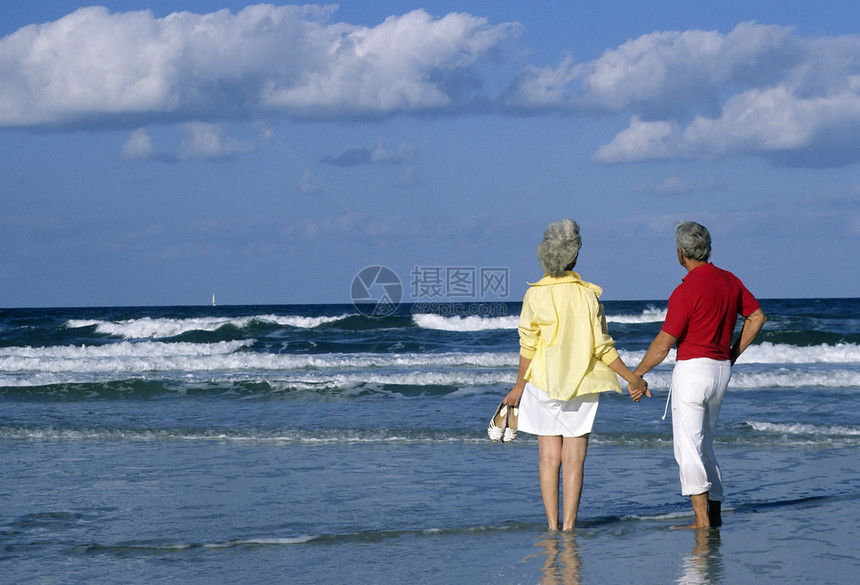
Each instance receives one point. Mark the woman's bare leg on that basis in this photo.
(549, 453)
(573, 450)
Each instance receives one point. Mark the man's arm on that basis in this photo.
(658, 351)
(752, 326)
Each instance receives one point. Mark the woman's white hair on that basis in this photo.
(694, 240)
(560, 247)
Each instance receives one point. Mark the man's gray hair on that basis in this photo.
(694, 240)
(560, 247)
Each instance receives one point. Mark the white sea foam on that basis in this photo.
(347, 436)
(221, 372)
(776, 353)
(261, 542)
(786, 378)
(224, 355)
(648, 315)
(230, 362)
(281, 372)
(149, 328)
(298, 321)
(464, 323)
(374, 380)
(804, 429)
(125, 349)
(356, 436)
(770, 353)
(776, 378)
(658, 517)
(123, 357)
(484, 323)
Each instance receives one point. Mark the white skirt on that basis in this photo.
(541, 415)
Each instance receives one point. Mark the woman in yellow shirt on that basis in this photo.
(566, 359)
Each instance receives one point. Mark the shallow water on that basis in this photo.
(311, 445)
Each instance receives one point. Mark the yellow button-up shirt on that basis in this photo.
(563, 331)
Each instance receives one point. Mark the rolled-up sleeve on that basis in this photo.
(528, 330)
(604, 345)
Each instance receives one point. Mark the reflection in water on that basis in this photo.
(703, 566)
(561, 565)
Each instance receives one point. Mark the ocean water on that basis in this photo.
(313, 444)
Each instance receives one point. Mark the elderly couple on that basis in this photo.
(567, 358)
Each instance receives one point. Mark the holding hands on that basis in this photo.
(636, 384)
(638, 387)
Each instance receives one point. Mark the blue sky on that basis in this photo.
(155, 153)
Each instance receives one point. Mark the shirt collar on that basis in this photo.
(706, 266)
(569, 277)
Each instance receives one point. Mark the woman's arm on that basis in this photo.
(515, 395)
(636, 385)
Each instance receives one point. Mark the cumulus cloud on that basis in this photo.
(759, 90)
(97, 67)
(210, 141)
(200, 141)
(815, 131)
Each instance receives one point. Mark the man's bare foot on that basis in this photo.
(690, 527)
(700, 510)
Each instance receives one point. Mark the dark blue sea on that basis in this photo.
(314, 444)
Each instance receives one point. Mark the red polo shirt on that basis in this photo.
(703, 310)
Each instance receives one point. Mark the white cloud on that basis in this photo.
(641, 141)
(773, 123)
(758, 90)
(138, 146)
(200, 141)
(209, 141)
(98, 66)
(399, 65)
(776, 121)
(663, 72)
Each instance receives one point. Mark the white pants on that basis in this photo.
(698, 387)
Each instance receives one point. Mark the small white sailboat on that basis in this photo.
(213, 299)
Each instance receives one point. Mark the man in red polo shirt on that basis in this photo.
(701, 319)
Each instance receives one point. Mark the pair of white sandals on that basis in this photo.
(503, 425)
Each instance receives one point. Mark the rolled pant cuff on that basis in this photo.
(698, 491)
